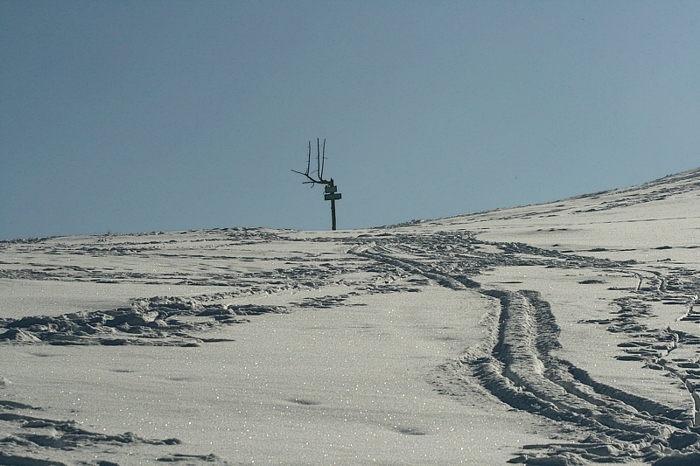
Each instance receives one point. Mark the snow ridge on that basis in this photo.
(161, 321)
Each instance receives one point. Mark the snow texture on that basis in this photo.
(564, 333)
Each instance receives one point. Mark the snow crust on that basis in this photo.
(564, 333)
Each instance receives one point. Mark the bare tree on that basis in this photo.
(316, 177)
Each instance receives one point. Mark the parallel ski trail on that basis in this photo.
(517, 366)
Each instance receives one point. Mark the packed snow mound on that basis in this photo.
(167, 321)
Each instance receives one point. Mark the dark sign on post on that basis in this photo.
(332, 195)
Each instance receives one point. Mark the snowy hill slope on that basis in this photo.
(560, 333)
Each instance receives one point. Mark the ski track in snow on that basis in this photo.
(516, 364)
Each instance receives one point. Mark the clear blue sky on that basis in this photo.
(133, 116)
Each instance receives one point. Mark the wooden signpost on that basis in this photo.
(332, 195)
(331, 190)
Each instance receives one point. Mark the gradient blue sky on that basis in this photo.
(133, 116)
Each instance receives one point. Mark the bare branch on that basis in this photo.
(320, 162)
(312, 181)
(308, 160)
(323, 160)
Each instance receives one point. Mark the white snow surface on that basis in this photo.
(565, 333)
